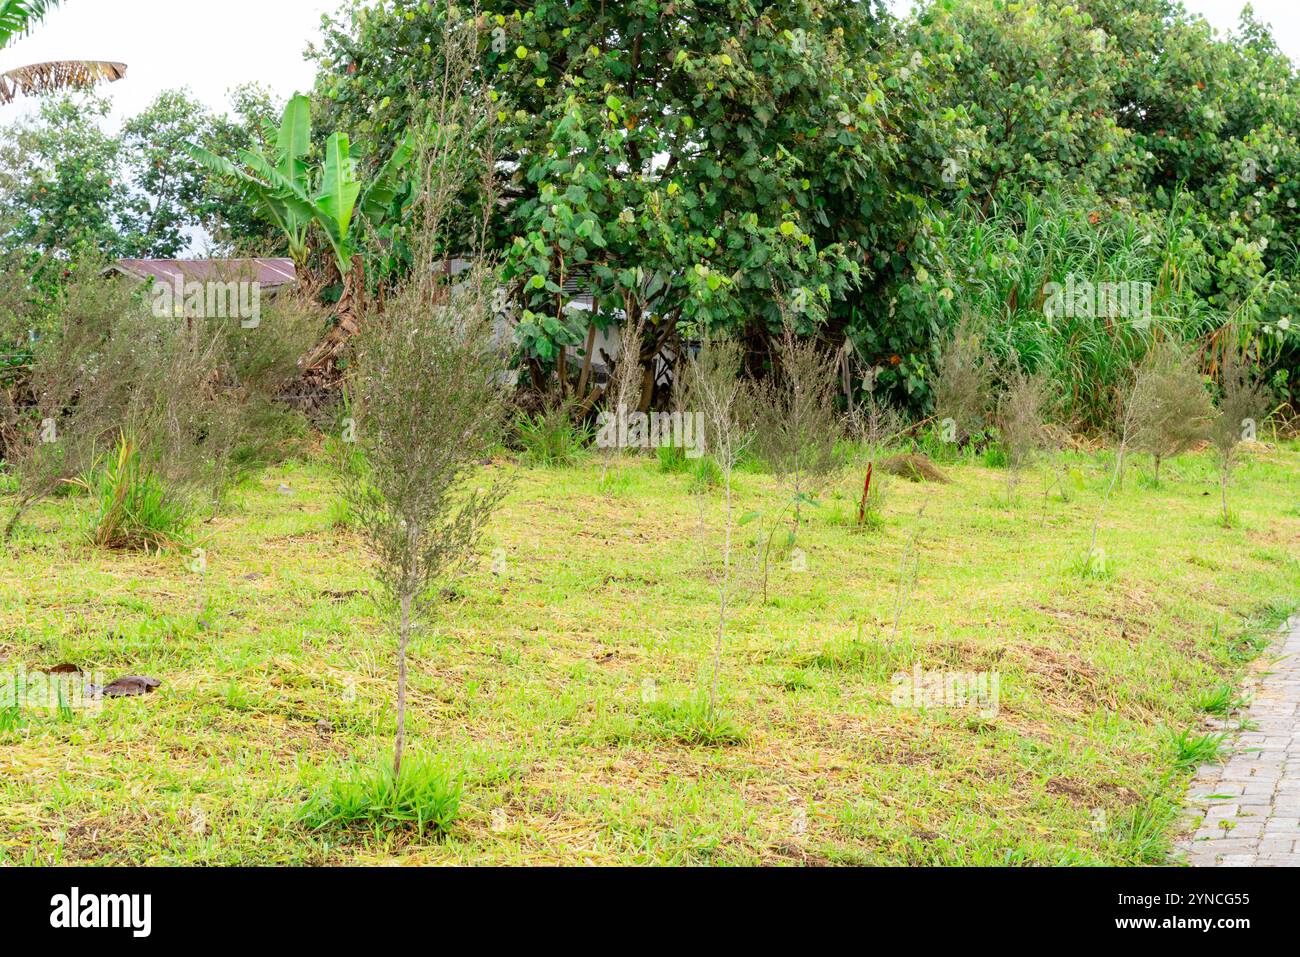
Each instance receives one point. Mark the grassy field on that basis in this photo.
(564, 688)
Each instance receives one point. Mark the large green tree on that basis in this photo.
(705, 164)
(68, 182)
(1132, 114)
(1218, 119)
(62, 180)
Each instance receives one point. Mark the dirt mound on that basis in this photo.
(918, 468)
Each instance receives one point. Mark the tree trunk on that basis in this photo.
(401, 685)
(722, 601)
(349, 320)
(647, 387)
(1223, 494)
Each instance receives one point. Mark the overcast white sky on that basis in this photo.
(209, 47)
(1282, 15)
(212, 47)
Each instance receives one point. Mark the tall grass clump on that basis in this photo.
(424, 796)
(1006, 262)
(132, 506)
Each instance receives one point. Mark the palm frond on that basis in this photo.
(57, 75)
(19, 16)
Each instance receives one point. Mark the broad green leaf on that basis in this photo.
(337, 198)
(294, 140)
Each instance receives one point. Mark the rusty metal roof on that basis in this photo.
(268, 272)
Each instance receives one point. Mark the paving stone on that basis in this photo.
(1260, 781)
(1273, 846)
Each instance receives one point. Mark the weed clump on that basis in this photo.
(424, 795)
(550, 437)
(695, 720)
(133, 508)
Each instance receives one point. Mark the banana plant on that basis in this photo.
(291, 197)
(338, 197)
(332, 199)
(17, 17)
(276, 185)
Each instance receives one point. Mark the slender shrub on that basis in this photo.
(1020, 414)
(963, 379)
(114, 367)
(1242, 407)
(876, 425)
(1171, 408)
(193, 392)
(796, 424)
(795, 427)
(429, 385)
(1129, 408)
(712, 386)
(623, 393)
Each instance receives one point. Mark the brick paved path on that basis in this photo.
(1246, 812)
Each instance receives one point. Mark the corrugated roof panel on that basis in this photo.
(268, 272)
